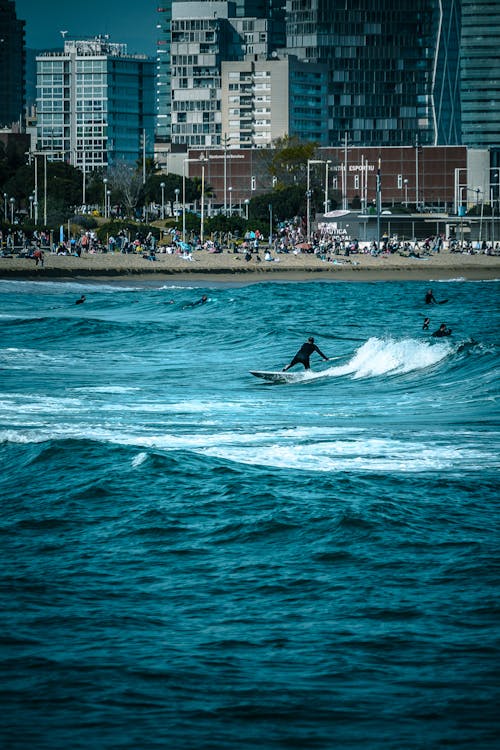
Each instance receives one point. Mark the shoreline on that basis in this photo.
(231, 268)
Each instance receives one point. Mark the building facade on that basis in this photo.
(430, 178)
(267, 98)
(194, 38)
(480, 74)
(95, 104)
(12, 65)
(393, 67)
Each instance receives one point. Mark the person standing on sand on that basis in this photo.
(302, 356)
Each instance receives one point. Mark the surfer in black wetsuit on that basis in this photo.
(442, 331)
(430, 298)
(302, 356)
(200, 301)
(81, 300)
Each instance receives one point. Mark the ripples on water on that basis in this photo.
(194, 559)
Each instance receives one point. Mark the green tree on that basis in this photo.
(286, 162)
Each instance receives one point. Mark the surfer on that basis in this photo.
(442, 331)
(81, 300)
(430, 298)
(302, 356)
(200, 301)
(425, 326)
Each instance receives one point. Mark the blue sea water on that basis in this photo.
(194, 559)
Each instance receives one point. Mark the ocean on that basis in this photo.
(195, 559)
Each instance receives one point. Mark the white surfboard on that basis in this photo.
(280, 376)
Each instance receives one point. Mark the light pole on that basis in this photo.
(327, 164)
(405, 181)
(492, 201)
(162, 185)
(230, 190)
(176, 206)
(202, 214)
(184, 162)
(247, 202)
(108, 203)
(309, 194)
(5, 207)
(105, 182)
(31, 199)
(12, 202)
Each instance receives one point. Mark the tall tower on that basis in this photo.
(12, 65)
(386, 64)
(480, 73)
(195, 36)
(104, 108)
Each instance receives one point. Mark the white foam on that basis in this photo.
(139, 459)
(383, 356)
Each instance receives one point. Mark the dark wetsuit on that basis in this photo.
(442, 332)
(302, 356)
(429, 298)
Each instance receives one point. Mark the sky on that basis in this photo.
(130, 21)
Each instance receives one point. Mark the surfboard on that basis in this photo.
(278, 376)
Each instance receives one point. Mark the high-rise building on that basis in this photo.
(203, 34)
(12, 65)
(95, 103)
(267, 98)
(194, 37)
(480, 73)
(392, 67)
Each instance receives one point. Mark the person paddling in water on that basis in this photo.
(443, 330)
(302, 356)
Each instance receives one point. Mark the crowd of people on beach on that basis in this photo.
(290, 237)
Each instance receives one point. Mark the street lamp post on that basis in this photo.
(247, 202)
(31, 199)
(492, 201)
(230, 191)
(202, 214)
(201, 159)
(108, 203)
(327, 164)
(176, 206)
(12, 203)
(162, 185)
(105, 181)
(405, 181)
(5, 207)
(309, 192)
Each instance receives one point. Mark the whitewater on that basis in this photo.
(194, 558)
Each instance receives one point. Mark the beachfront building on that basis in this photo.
(203, 35)
(264, 98)
(273, 11)
(95, 104)
(393, 67)
(480, 73)
(12, 65)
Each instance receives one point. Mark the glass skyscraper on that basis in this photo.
(480, 73)
(393, 67)
(95, 103)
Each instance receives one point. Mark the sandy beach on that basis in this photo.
(227, 266)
